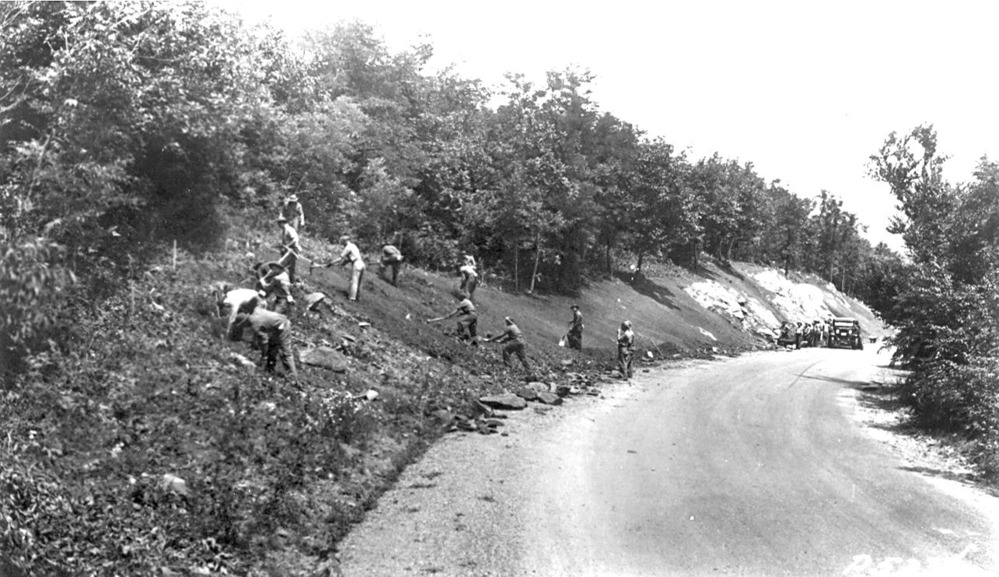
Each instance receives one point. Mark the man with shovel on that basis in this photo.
(352, 255)
(513, 341)
(271, 335)
(574, 337)
(290, 248)
(468, 322)
(625, 349)
(273, 280)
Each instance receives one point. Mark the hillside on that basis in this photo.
(157, 443)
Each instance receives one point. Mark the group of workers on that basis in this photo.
(264, 310)
(468, 320)
(804, 334)
(513, 338)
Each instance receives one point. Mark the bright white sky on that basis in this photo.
(806, 91)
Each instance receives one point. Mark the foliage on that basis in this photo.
(946, 302)
(33, 284)
(148, 389)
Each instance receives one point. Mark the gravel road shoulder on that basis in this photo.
(458, 511)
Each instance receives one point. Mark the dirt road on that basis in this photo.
(749, 466)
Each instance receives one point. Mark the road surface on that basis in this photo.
(748, 466)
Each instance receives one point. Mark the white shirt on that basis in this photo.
(290, 238)
(235, 299)
(352, 254)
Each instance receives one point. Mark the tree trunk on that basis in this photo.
(537, 259)
(516, 267)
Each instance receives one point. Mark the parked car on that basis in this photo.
(845, 332)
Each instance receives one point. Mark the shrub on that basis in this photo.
(31, 284)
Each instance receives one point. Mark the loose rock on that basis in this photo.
(505, 401)
(174, 484)
(327, 358)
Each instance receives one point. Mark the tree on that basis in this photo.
(660, 211)
(790, 231)
(914, 172)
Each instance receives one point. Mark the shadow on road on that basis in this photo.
(862, 385)
(949, 475)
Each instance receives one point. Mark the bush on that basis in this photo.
(32, 281)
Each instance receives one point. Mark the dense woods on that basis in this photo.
(128, 125)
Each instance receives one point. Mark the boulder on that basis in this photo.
(563, 390)
(506, 401)
(312, 300)
(327, 358)
(549, 398)
(528, 394)
(538, 387)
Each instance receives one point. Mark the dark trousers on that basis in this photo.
(575, 339)
(624, 358)
(278, 347)
(470, 323)
(393, 265)
(291, 259)
(515, 348)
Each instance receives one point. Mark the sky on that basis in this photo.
(806, 91)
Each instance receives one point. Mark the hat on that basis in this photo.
(344, 237)
(282, 219)
(574, 306)
(293, 198)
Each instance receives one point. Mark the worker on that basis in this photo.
(469, 276)
(625, 349)
(352, 255)
(468, 321)
(273, 281)
(291, 210)
(290, 247)
(391, 259)
(515, 343)
(229, 300)
(575, 334)
(271, 335)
